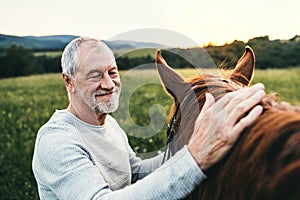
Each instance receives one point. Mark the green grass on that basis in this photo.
(27, 102)
(136, 53)
(129, 53)
(49, 53)
(285, 82)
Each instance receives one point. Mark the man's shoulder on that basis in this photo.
(60, 123)
(59, 119)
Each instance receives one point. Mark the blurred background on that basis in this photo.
(193, 35)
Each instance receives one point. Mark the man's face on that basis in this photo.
(97, 84)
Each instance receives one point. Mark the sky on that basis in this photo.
(202, 22)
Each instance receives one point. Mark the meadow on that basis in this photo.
(27, 102)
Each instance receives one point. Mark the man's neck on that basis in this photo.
(91, 117)
(101, 118)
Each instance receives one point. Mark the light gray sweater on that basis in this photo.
(76, 160)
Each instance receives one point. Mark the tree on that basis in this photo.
(17, 61)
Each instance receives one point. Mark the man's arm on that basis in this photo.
(175, 179)
(141, 168)
(65, 168)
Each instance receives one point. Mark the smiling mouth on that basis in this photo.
(105, 94)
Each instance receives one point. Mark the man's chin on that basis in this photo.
(106, 108)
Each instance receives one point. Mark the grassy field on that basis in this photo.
(136, 53)
(285, 82)
(28, 102)
(49, 53)
(129, 53)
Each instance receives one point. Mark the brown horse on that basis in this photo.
(265, 161)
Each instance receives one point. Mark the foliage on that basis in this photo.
(14, 59)
(19, 61)
(125, 62)
(269, 53)
(47, 64)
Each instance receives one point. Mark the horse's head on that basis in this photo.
(265, 161)
(189, 95)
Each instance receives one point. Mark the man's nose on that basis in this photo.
(106, 82)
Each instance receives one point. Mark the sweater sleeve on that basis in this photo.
(141, 168)
(63, 167)
(175, 179)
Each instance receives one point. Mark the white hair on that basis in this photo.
(70, 60)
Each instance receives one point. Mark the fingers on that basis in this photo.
(209, 101)
(244, 105)
(233, 135)
(249, 119)
(234, 98)
(243, 95)
(239, 106)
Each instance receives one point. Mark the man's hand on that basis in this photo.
(218, 126)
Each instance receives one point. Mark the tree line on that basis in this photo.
(269, 54)
(19, 61)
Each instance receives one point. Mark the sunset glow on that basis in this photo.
(215, 21)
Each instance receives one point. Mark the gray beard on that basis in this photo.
(108, 107)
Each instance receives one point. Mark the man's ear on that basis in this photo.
(69, 83)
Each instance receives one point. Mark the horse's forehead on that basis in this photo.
(215, 80)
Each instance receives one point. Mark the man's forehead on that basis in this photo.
(99, 48)
(99, 55)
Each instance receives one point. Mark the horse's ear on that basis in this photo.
(243, 72)
(173, 83)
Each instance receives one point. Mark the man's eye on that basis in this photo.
(94, 76)
(113, 72)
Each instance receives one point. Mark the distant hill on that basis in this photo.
(131, 45)
(58, 42)
(269, 53)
